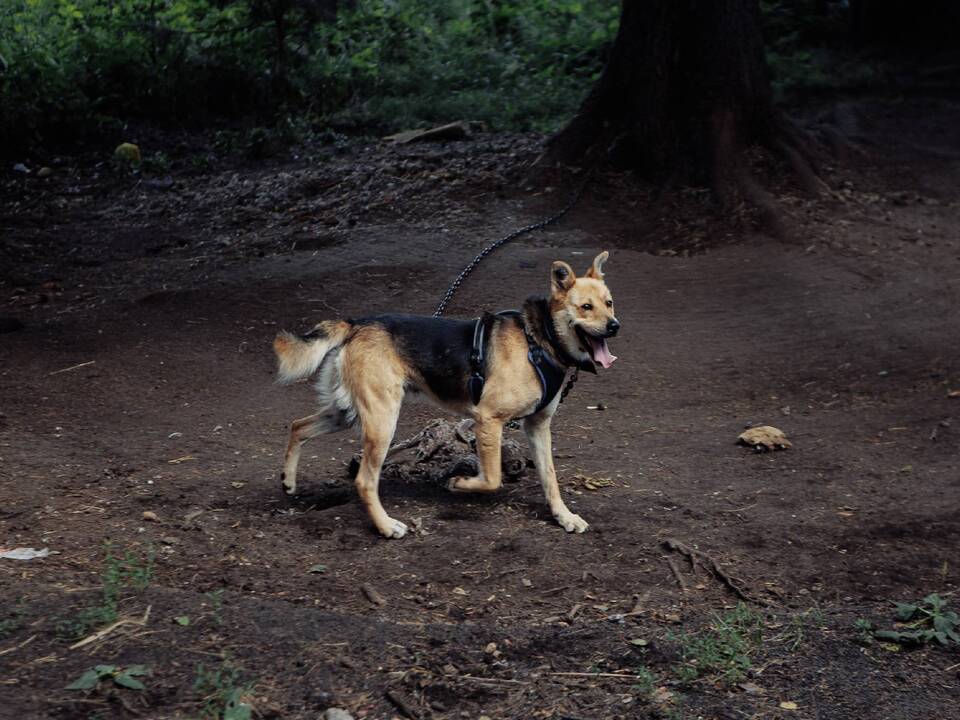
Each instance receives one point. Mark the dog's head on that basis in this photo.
(582, 310)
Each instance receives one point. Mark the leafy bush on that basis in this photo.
(65, 65)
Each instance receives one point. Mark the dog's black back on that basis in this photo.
(438, 348)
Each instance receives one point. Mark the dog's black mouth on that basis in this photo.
(595, 346)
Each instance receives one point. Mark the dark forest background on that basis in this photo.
(77, 69)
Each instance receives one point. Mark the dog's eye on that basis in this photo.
(609, 303)
(586, 306)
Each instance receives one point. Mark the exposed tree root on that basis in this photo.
(696, 557)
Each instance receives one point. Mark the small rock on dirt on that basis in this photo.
(336, 714)
(128, 152)
(372, 595)
(764, 437)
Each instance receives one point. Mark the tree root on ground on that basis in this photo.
(701, 559)
(445, 449)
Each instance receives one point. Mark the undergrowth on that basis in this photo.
(127, 571)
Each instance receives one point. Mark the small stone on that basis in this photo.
(127, 152)
(336, 714)
(44, 172)
(151, 516)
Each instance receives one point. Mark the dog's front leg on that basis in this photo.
(489, 434)
(538, 434)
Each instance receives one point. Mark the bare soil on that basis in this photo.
(141, 381)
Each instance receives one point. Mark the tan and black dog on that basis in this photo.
(500, 367)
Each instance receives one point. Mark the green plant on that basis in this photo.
(646, 682)
(795, 629)
(223, 693)
(864, 630)
(215, 598)
(724, 649)
(118, 573)
(121, 676)
(924, 622)
(12, 619)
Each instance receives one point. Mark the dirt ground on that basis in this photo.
(138, 408)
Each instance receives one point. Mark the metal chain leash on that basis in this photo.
(451, 291)
(569, 386)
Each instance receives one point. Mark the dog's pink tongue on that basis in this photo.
(601, 353)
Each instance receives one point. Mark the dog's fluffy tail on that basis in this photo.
(299, 356)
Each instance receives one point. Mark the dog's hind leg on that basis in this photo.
(300, 431)
(489, 434)
(537, 428)
(376, 441)
(375, 378)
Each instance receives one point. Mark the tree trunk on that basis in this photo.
(685, 89)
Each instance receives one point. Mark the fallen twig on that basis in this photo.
(622, 676)
(474, 678)
(695, 557)
(17, 647)
(100, 634)
(73, 367)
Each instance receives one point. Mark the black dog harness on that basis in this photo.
(549, 371)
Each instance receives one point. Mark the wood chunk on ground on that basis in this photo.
(445, 449)
(451, 131)
(764, 437)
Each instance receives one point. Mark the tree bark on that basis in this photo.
(685, 89)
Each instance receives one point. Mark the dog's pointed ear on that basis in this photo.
(561, 276)
(596, 270)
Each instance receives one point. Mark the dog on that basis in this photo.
(493, 369)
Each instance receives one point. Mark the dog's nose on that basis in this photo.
(613, 326)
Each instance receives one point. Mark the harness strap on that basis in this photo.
(550, 373)
(477, 360)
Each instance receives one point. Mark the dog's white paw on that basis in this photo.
(476, 484)
(572, 523)
(289, 483)
(459, 484)
(394, 529)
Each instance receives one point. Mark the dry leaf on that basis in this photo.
(662, 696)
(593, 483)
(788, 705)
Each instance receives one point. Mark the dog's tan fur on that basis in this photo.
(365, 377)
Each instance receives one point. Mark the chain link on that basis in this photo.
(451, 291)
